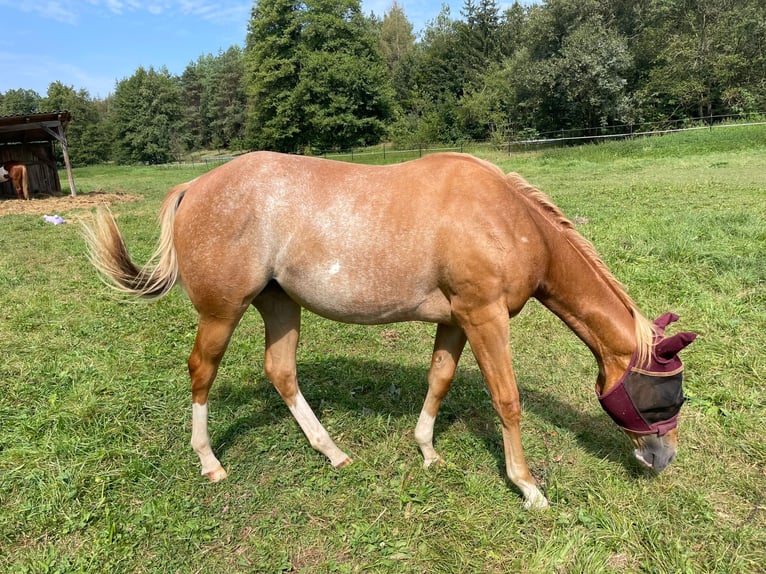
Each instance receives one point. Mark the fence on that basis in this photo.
(391, 153)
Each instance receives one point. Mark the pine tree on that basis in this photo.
(396, 37)
(225, 101)
(272, 68)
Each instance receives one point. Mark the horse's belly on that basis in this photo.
(367, 298)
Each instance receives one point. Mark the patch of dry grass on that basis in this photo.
(52, 205)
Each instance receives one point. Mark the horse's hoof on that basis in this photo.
(429, 462)
(217, 474)
(345, 462)
(536, 502)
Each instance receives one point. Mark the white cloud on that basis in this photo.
(58, 11)
(71, 11)
(233, 11)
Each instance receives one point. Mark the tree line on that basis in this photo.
(320, 74)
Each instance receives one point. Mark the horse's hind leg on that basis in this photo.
(213, 335)
(282, 320)
(448, 346)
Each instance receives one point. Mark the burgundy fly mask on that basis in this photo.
(649, 397)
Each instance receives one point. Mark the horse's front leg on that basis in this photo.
(213, 335)
(488, 332)
(282, 319)
(448, 346)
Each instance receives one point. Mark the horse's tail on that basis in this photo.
(24, 181)
(109, 254)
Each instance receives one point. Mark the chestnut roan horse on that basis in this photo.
(16, 172)
(448, 239)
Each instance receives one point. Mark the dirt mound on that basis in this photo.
(50, 205)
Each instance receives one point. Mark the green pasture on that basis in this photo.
(97, 475)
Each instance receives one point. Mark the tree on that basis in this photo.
(510, 30)
(587, 79)
(224, 110)
(274, 118)
(214, 101)
(396, 37)
(315, 76)
(479, 35)
(704, 57)
(88, 138)
(146, 115)
(194, 128)
(343, 85)
(441, 67)
(19, 103)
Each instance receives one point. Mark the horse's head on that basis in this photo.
(648, 398)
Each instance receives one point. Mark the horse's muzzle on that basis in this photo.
(655, 452)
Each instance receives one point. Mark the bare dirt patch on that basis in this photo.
(61, 204)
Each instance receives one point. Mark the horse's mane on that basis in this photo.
(644, 329)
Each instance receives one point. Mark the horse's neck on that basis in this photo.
(584, 298)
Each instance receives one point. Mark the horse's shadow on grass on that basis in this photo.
(365, 387)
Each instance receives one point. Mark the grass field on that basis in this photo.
(96, 473)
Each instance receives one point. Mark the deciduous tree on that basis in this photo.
(315, 76)
(20, 102)
(145, 117)
(88, 137)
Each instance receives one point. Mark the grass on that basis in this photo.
(96, 474)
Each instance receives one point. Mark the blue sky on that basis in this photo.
(92, 44)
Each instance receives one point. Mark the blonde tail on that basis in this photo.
(109, 254)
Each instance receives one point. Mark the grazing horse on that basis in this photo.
(448, 239)
(16, 172)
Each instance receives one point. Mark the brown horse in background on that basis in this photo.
(16, 172)
(448, 239)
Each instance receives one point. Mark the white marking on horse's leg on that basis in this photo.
(489, 333)
(518, 472)
(318, 436)
(200, 441)
(424, 434)
(448, 345)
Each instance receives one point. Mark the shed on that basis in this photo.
(30, 139)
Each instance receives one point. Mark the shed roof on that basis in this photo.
(32, 127)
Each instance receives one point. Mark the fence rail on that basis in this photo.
(386, 153)
(558, 138)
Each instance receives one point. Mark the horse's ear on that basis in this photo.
(669, 347)
(664, 320)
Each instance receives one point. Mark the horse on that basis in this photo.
(448, 239)
(16, 172)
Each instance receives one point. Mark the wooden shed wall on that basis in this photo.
(41, 168)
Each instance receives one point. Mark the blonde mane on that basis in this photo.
(644, 329)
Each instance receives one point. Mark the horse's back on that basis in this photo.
(356, 243)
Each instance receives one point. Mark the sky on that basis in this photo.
(92, 44)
